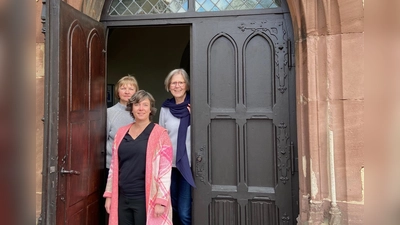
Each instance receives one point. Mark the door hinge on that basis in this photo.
(43, 18)
(291, 56)
(292, 157)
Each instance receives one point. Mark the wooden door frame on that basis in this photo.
(51, 103)
(51, 21)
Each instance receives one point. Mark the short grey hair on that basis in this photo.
(185, 76)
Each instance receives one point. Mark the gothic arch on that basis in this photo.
(323, 31)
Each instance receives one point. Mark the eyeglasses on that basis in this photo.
(180, 83)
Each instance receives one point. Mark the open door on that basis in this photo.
(74, 117)
(242, 147)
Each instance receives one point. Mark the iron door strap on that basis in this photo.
(292, 157)
(74, 172)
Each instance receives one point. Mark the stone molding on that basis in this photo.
(323, 31)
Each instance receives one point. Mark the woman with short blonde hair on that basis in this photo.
(117, 116)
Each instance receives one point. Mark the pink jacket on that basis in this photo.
(157, 177)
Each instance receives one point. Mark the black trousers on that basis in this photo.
(131, 211)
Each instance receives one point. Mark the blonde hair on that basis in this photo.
(128, 79)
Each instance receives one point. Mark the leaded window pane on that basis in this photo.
(225, 5)
(134, 7)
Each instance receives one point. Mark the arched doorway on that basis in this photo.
(243, 96)
(244, 150)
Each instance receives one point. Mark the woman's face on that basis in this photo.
(177, 86)
(141, 111)
(125, 92)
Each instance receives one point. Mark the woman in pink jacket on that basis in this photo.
(138, 184)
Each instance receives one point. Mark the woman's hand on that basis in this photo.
(108, 205)
(159, 210)
(188, 107)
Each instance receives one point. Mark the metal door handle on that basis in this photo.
(63, 171)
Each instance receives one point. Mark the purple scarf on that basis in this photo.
(181, 111)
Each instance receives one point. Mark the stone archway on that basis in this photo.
(329, 68)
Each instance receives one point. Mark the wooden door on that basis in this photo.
(242, 150)
(77, 115)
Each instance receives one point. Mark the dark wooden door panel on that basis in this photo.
(81, 138)
(241, 126)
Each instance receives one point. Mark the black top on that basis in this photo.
(132, 164)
